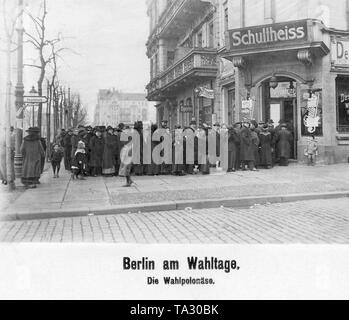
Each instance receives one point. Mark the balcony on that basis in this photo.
(177, 18)
(198, 64)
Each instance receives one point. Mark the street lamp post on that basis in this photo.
(19, 93)
(33, 93)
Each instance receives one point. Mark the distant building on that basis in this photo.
(114, 107)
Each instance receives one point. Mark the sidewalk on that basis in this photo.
(63, 197)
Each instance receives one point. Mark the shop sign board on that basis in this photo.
(340, 52)
(312, 113)
(246, 110)
(186, 108)
(268, 35)
(283, 90)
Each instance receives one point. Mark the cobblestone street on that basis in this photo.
(309, 222)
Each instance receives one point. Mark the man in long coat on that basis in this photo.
(283, 140)
(233, 149)
(246, 147)
(67, 150)
(97, 149)
(33, 153)
(109, 158)
(266, 139)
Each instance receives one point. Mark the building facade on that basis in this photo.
(114, 107)
(182, 48)
(270, 60)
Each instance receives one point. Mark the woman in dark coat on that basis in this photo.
(97, 149)
(138, 168)
(255, 143)
(33, 153)
(203, 159)
(283, 141)
(74, 142)
(109, 153)
(247, 147)
(153, 169)
(233, 149)
(117, 134)
(178, 169)
(67, 150)
(266, 139)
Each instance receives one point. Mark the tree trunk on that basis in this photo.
(9, 164)
(48, 125)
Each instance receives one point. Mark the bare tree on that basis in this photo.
(79, 113)
(47, 49)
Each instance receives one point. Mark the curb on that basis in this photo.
(172, 205)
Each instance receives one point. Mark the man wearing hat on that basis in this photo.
(97, 149)
(165, 169)
(33, 153)
(247, 155)
(109, 154)
(67, 149)
(193, 125)
(74, 141)
(283, 140)
(266, 140)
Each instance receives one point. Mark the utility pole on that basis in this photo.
(19, 93)
(9, 176)
(69, 110)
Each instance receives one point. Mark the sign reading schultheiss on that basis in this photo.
(266, 35)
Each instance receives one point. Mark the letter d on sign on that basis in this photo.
(340, 50)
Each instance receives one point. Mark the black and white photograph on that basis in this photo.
(174, 142)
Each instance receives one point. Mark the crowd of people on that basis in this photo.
(99, 151)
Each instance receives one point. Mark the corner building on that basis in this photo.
(271, 60)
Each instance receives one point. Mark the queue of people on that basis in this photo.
(97, 151)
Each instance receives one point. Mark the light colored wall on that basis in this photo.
(331, 12)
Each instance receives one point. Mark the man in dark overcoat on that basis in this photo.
(247, 147)
(283, 141)
(97, 149)
(233, 149)
(33, 154)
(67, 150)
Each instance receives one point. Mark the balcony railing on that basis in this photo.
(196, 59)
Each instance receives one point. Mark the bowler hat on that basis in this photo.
(33, 130)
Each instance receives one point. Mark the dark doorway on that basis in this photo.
(280, 105)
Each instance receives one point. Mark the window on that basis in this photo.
(243, 13)
(156, 65)
(342, 84)
(170, 58)
(199, 40)
(210, 35)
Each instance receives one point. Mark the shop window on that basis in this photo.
(342, 85)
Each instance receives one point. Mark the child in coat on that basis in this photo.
(79, 162)
(311, 151)
(56, 159)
